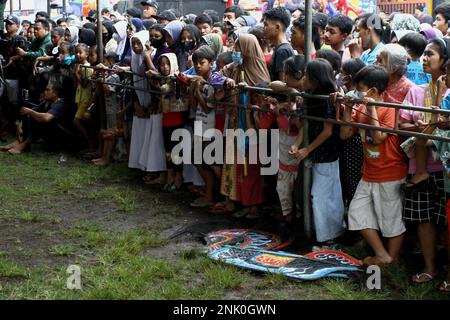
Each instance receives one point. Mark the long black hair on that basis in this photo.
(295, 66)
(352, 66)
(444, 48)
(321, 71)
(195, 34)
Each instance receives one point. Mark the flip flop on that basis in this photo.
(416, 278)
(445, 287)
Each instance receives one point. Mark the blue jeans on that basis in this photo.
(327, 204)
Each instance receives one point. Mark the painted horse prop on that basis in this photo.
(252, 249)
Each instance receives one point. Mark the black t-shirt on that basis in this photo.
(63, 112)
(329, 150)
(280, 54)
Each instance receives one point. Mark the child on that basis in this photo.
(93, 56)
(84, 87)
(415, 44)
(377, 203)
(211, 86)
(289, 132)
(223, 59)
(173, 117)
(323, 150)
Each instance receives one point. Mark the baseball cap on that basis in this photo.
(11, 19)
(166, 15)
(150, 3)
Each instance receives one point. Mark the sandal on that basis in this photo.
(445, 287)
(416, 278)
(200, 203)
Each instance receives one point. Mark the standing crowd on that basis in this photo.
(162, 71)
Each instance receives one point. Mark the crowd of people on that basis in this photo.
(163, 71)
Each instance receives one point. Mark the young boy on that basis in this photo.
(415, 44)
(210, 86)
(276, 21)
(298, 37)
(377, 204)
(336, 32)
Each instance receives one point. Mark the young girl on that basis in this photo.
(147, 145)
(289, 131)
(173, 117)
(323, 151)
(84, 87)
(351, 154)
(189, 41)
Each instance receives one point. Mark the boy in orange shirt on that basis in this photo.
(377, 205)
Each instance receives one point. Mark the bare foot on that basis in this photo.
(15, 151)
(417, 178)
(101, 162)
(9, 146)
(377, 260)
(155, 181)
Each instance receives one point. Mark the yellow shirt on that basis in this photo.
(83, 94)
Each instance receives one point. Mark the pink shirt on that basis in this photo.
(416, 97)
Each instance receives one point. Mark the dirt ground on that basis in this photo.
(117, 230)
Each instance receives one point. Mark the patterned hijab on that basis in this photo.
(214, 41)
(254, 66)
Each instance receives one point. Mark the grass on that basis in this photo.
(111, 226)
(10, 269)
(62, 250)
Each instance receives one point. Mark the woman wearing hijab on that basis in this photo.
(120, 35)
(133, 28)
(147, 145)
(214, 41)
(108, 41)
(190, 40)
(158, 42)
(71, 35)
(87, 36)
(172, 34)
(240, 182)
